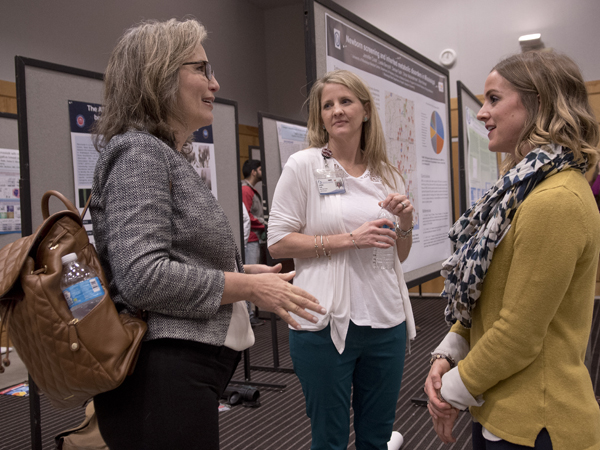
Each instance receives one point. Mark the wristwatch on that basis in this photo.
(436, 356)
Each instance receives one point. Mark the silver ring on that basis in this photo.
(404, 205)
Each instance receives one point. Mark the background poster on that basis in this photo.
(82, 116)
(481, 163)
(411, 101)
(10, 205)
(202, 157)
(292, 138)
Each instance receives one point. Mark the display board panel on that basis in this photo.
(270, 152)
(9, 139)
(411, 94)
(43, 92)
(478, 167)
(227, 156)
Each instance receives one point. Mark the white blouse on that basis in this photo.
(347, 285)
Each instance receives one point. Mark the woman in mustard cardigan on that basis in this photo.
(515, 354)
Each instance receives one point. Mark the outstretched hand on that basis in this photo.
(273, 292)
(254, 269)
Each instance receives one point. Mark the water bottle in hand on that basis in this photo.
(80, 286)
(383, 258)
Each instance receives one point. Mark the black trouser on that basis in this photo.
(171, 400)
(542, 441)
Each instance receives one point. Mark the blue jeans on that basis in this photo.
(372, 364)
(542, 441)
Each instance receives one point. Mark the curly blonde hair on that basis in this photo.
(553, 92)
(142, 79)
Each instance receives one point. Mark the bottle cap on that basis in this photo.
(68, 258)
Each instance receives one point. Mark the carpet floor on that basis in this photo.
(280, 422)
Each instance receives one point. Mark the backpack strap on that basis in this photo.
(87, 205)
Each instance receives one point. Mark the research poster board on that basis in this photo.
(292, 138)
(47, 156)
(273, 144)
(10, 205)
(202, 157)
(45, 140)
(478, 166)
(411, 94)
(82, 116)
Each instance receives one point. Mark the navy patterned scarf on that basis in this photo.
(479, 230)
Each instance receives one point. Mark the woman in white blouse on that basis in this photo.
(323, 215)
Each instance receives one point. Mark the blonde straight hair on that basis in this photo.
(142, 79)
(553, 92)
(372, 141)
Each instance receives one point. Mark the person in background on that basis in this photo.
(252, 201)
(252, 172)
(331, 231)
(520, 286)
(167, 247)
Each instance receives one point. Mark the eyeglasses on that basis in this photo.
(208, 71)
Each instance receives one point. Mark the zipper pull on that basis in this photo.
(73, 338)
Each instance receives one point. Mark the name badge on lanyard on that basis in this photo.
(329, 181)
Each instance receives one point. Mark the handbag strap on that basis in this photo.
(46, 199)
(70, 206)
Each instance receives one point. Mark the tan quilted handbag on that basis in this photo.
(70, 360)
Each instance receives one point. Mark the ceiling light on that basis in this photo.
(530, 42)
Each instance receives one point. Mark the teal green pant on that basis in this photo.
(370, 367)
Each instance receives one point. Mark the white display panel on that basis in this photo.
(411, 95)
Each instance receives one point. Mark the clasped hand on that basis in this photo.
(373, 233)
(442, 413)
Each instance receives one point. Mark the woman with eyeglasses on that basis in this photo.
(167, 247)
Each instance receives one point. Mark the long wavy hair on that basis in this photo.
(553, 92)
(142, 79)
(372, 141)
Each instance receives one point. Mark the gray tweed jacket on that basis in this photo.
(163, 239)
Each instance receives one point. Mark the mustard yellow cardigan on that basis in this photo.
(532, 322)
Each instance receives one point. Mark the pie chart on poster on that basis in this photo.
(436, 130)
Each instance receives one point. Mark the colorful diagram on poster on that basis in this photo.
(436, 130)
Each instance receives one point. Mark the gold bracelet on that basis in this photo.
(316, 247)
(323, 245)
(354, 243)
